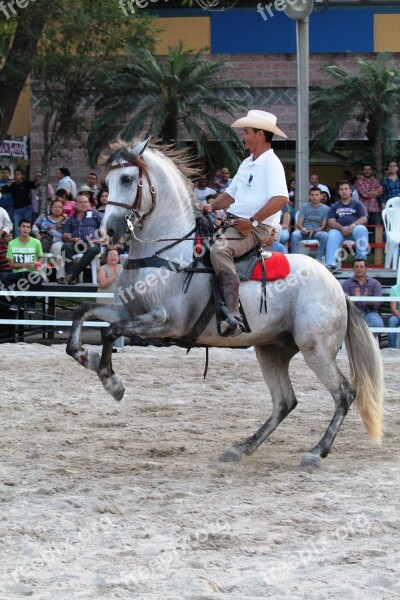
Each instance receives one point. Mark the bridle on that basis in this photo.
(137, 205)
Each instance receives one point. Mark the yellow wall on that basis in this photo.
(20, 122)
(387, 33)
(193, 31)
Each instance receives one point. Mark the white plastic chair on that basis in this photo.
(391, 221)
(309, 244)
(94, 265)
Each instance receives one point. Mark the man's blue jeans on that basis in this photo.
(336, 238)
(320, 236)
(373, 319)
(392, 337)
(21, 213)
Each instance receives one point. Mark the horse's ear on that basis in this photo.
(140, 148)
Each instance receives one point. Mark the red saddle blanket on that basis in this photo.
(277, 267)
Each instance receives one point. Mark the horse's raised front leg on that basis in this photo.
(106, 312)
(274, 362)
(150, 324)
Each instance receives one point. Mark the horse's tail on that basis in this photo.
(366, 372)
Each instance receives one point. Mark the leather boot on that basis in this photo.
(229, 285)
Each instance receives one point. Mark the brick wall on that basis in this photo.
(273, 78)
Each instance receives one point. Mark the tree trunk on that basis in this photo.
(19, 60)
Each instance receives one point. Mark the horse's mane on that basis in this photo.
(180, 158)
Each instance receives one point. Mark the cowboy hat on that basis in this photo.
(259, 119)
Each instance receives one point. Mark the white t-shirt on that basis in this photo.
(255, 183)
(201, 195)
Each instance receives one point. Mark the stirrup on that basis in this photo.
(233, 328)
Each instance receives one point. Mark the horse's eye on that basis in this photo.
(126, 179)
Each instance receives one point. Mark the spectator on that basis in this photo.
(5, 222)
(314, 182)
(272, 245)
(312, 219)
(215, 182)
(285, 220)
(68, 203)
(102, 199)
(91, 182)
(362, 285)
(107, 276)
(82, 235)
(51, 226)
(5, 269)
(226, 179)
(25, 256)
(6, 200)
(370, 191)
(86, 191)
(21, 194)
(292, 193)
(391, 183)
(201, 191)
(346, 219)
(394, 320)
(65, 182)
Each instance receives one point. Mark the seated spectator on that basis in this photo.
(82, 235)
(86, 191)
(68, 203)
(347, 219)
(102, 200)
(394, 320)
(49, 229)
(272, 245)
(312, 219)
(107, 276)
(292, 194)
(362, 285)
(215, 182)
(226, 179)
(5, 222)
(201, 191)
(286, 218)
(25, 256)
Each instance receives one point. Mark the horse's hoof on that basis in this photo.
(114, 386)
(232, 454)
(310, 460)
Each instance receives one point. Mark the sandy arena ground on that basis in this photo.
(100, 499)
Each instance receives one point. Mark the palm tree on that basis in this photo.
(369, 98)
(162, 97)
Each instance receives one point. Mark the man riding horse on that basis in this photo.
(254, 199)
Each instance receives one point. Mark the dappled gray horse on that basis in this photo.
(307, 311)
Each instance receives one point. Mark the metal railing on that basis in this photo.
(95, 295)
